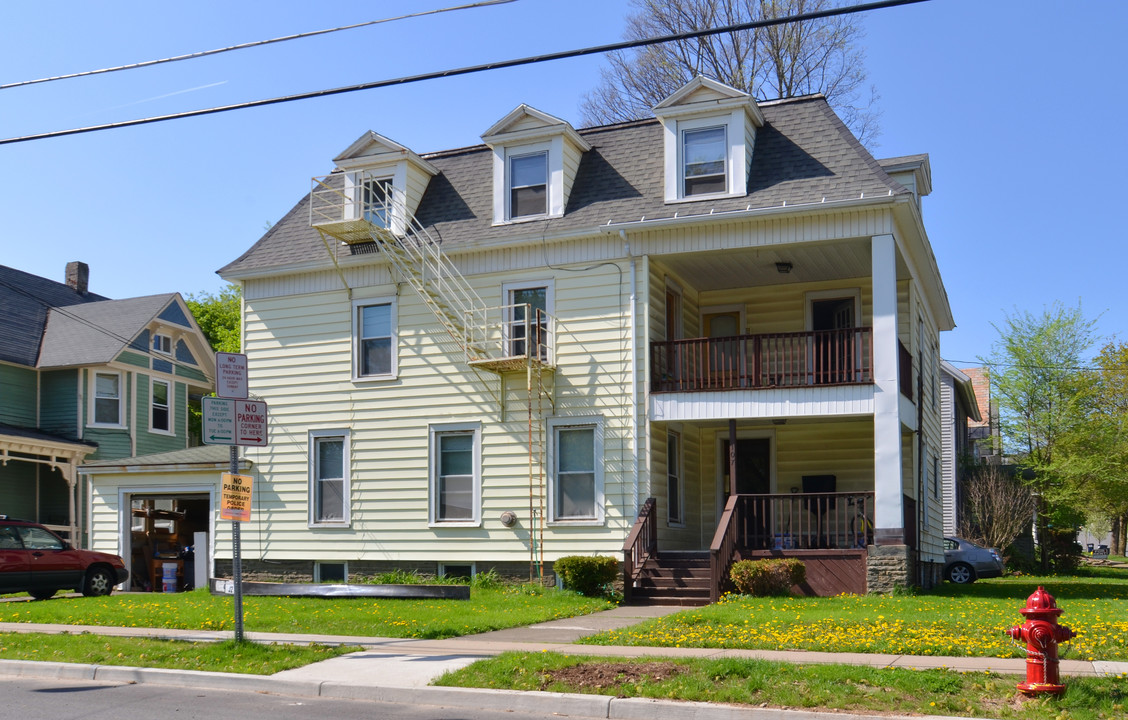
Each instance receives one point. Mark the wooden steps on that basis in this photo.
(673, 578)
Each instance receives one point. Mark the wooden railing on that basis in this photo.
(824, 357)
(722, 551)
(641, 545)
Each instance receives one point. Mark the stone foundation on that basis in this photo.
(888, 567)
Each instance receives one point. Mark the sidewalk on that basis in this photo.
(399, 670)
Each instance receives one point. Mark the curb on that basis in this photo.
(565, 704)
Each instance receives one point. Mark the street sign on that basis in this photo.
(219, 421)
(234, 422)
(235, 500)
(231, 375)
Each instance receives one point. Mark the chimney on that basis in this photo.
(78, 276)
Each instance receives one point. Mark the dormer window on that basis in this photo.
(709, 130)
(703, 161)
(528, 185)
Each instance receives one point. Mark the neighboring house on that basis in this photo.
(984, 432)
(548, 345)
(959, 408)
(86, 378)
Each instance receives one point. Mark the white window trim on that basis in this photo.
(166, 336)
(395, 174)
(680, 475)
(549, 307)
(346, 466)
(554, 202)
(93, 384)
(738, 308)
(736, 166)
(394, 364)
(473, 567)
(592, 421)
(433, 474)
(171, 403)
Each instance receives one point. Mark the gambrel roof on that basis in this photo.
(803, 154)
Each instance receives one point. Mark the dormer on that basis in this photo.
(709, 133)
(383, 181)
(534, 165)
(912, 171)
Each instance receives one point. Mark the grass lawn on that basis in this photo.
(959, 620)
(487, 609)
(756, 682)
(229, 657)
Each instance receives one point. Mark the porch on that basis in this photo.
(829, 532)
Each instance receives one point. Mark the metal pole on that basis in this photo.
(237, 562)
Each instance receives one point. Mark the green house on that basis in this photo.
(85, 378)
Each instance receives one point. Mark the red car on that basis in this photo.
(37, 561)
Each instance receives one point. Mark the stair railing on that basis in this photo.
(640, 546)
(723, 549)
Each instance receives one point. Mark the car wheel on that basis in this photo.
(99, 581)
(961, 574)
(41, 594)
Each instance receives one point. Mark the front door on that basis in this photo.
(833, 358)
(722, 359)
(753, 478)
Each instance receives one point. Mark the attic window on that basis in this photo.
(703, 161)
(162, 344)
(376, 197)
(528, 185)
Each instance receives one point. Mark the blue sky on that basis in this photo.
(1020, 104)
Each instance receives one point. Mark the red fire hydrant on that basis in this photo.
(1042, 635)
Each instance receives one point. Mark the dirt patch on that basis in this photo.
(599, 676)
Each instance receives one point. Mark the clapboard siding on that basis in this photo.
(17, 395)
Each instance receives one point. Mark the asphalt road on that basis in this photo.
(38, 699)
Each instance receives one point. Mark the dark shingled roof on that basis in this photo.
(803, 154)
(94, 333)
(25, 301)
(34, 434)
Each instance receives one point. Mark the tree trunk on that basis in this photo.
(1120, 534)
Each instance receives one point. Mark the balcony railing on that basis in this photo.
(799, 359)
(804, 521)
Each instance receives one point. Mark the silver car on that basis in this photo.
(966, 562)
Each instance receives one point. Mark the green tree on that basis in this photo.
(1092, 460)
(798, 58)
(219, 317)
(1039, 382)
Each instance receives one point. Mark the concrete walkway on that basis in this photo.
(398, 670)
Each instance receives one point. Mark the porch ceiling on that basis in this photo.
(744, 267)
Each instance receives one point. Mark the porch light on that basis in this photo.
(783, 267)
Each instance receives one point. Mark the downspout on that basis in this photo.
(634, 372)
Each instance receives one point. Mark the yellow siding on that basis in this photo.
(301, 349)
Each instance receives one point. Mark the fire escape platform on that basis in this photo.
(512, 364)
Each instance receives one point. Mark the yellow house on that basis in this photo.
(703, 336)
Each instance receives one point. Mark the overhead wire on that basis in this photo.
(467, 70)
(244, 46)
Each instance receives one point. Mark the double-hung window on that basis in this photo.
(107, 399)
(576, 470)
(329, 478)
(528, 185)
(674, 503)
(374, 339)
(160, 418)
(456, 480)
(704, 170)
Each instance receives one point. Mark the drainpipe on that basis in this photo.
(633, 373)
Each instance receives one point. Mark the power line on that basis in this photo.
(467, 70)
(1024, 366)
(243, 46)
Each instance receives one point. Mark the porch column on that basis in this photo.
(889, 521)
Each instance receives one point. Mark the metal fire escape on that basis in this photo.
(356, 212)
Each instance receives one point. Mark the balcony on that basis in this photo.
(774, 360)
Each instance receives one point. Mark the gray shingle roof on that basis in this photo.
(803, 154)
(25, 300)
(96, 332)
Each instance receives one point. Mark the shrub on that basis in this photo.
(771, 576)
(586, 575)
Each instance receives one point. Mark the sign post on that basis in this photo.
(232, 419)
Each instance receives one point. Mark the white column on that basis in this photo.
(889, 496)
